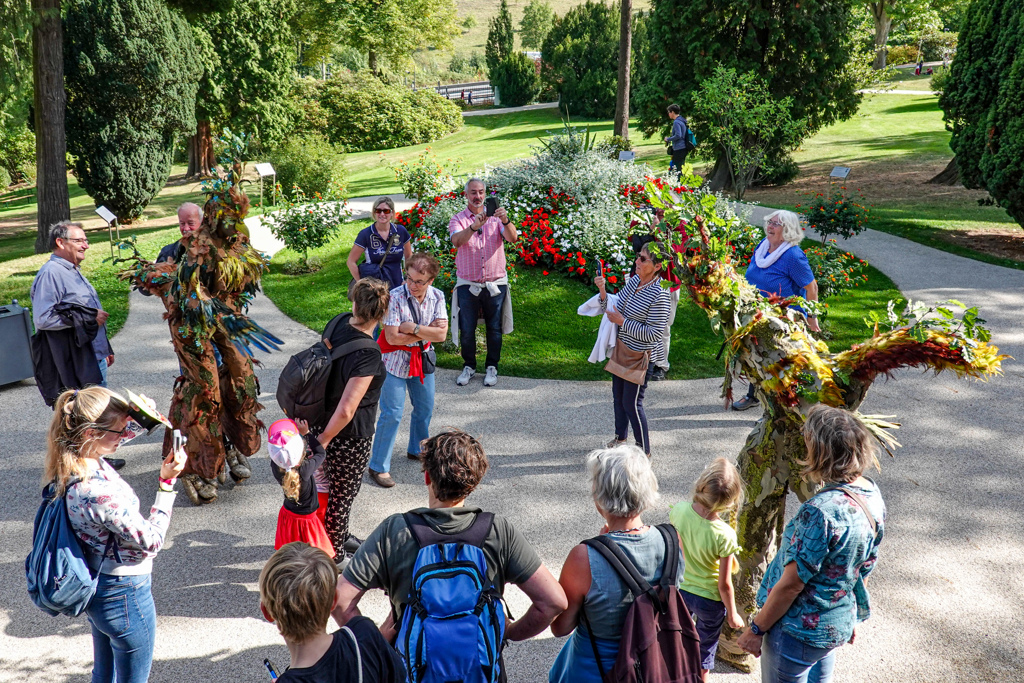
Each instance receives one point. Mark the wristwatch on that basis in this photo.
(476, 229)
(755, 629)
(416, 330)
(506, 223)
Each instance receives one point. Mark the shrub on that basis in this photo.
(18, 152)
(309, 222)
(836, 214)
(581, 56)
(364, 113)
(836, 271)
(469, 22)
(425, 176)
(901, 54)
(939, 79)
(5, 179)
(131, 78)
(516, 80)
(309, 162)
(615, 144)
(779, 170)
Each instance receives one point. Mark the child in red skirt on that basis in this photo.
(294, 459)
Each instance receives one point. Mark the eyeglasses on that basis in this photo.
(81, 240)
(383, 212)
(112, 431)
(643, 259)
(418, 283)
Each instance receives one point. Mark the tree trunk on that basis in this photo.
(621, 123)
(52, 200)
(720, 178)
(949, 175)
(200, 152)
(371, 62)
(883, 22)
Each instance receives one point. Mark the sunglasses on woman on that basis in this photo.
(643, 259)
(383, 212)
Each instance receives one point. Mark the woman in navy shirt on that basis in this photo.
(382, 236)
(779, 266)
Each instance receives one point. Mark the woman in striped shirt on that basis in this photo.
(642, 315)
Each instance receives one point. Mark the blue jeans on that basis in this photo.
(102, 362)
(392, 406)
(470, 308)
(784, 659)
(123, 620)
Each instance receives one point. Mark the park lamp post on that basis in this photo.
(111, 220)
(263, 170)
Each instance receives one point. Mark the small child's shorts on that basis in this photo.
(710, 616)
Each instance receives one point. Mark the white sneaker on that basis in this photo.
(467, 374)
(491, 378)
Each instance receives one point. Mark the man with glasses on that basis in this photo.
(481, 287)
(70, 349)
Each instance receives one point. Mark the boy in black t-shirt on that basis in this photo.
(298, 590)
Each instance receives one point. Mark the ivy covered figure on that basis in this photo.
(767, 342)
(206, 294)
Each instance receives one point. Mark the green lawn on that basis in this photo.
(550, 340)
(894, 144)
(18, 267)
(484, 141)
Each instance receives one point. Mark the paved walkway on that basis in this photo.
(947, 594)
(510, 110)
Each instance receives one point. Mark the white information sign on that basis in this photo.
(265, 169)
(106, 214)
(840, 172)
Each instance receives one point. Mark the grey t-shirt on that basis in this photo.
(386, 559)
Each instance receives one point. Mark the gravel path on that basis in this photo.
(947, 593)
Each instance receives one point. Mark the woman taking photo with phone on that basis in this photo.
(118, 540)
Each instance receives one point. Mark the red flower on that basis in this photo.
(545, 272)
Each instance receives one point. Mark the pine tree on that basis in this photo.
(131, 80)
(983, 102)
(500, 38)
(801, 49)
(581, 57)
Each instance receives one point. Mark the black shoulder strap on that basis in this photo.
(425, 535)
(622, 565)
(354, 345)
(671, 567)
(330, 328)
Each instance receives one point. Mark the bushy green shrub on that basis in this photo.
(901, 54)
(581, 56)
(615, 144)
(364, 113)
(18, 152)
(309, 222)
(425, 176)
(983, 102)
(309, 162)
(939, 79)
(516, 80)
(5, 179)
(779, 170)
(836, 215)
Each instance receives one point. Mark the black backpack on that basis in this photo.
(302, 386)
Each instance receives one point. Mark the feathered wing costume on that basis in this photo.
(205, 296)
(768, 343)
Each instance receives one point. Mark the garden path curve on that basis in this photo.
(947, 594)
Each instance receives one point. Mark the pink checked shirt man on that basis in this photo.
(481, 289)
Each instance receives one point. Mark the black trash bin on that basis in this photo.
(16, 342)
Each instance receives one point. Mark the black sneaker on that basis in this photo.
(352, 544)
(745, 403)
(658, 374)
(116, 463)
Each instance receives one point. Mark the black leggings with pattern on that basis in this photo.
(347, 457)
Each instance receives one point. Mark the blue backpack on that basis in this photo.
(453, 626)
(691, 138)
(58, 574)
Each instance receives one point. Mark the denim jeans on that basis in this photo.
(470, 308)
(392, 406)
(784, 659)
(102, 362)
(628, 402)
(123, 620)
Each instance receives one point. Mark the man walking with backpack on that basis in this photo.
(679, 138)
(444, 567)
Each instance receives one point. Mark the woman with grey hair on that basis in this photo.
(623, 487)
(779, 267)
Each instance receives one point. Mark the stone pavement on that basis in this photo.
(946, 595)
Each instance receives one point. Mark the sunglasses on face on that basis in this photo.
(643, 259)
(383, 212)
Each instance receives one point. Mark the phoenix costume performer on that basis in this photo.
(206, 294)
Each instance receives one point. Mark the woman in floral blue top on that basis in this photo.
(814, 592)
(119, 541)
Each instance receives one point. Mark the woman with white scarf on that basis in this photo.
(780, 267)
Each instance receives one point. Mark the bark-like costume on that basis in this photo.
(205, 296)
(768, 343)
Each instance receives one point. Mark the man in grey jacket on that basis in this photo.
(680, 129)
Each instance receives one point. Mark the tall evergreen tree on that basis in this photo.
(538, 18)
(801, 49)
(983, 102)
(581, 54)
(52, 202)
(131, 79)
(501, 39)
